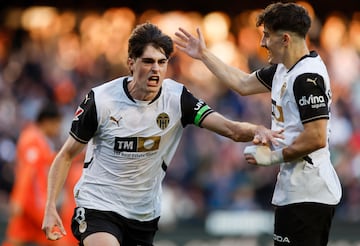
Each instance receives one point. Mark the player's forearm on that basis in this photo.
(241, 131)
(299, 149)
(313, 137)
(230, 76)
(57, 176)
(60, 168)
(237, 131)
(264, 156)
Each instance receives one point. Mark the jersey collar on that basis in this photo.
(126, 82)
(312, 54)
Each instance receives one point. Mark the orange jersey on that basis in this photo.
(34, 157)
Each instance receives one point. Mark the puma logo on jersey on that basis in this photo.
(311, 80)
(112, 118)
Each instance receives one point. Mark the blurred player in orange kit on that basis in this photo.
(27, 201)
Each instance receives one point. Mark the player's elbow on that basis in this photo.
(322, 145)
(242, 90)
(245, 92)
(319, 143)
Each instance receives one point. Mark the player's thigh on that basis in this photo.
(87, 222)
(101, 238)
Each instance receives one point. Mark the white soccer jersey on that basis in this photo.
(130, 145)
(300, 95)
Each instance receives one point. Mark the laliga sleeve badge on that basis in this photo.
(82, 226)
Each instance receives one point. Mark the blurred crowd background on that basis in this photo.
(59, 54)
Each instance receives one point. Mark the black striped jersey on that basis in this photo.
(299, 95)
(130, 145)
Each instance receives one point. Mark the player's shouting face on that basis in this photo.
(148, 72)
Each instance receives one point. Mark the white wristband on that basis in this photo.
(277, 156)
(263, 155)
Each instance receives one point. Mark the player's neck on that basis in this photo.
(295, 54)
(141, 94)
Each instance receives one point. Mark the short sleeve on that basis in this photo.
(311, 97)
(266, 75)
(85, 123)
(193, 110)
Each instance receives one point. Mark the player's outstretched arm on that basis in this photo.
(312, 138)
(236, 79)
(240, 131)
(52, 224)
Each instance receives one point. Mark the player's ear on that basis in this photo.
(130, 63)
(286, 38)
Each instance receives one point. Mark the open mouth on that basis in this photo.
(154, 80)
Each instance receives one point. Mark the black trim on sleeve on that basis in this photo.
(311, 97)
(78, 139)
(266, 75)
(203, 116)
(193, 110)
(85, 123)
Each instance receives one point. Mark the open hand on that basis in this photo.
(268, 137)
(191, 45)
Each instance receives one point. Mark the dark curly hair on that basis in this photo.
(285, 16)
(145, 34)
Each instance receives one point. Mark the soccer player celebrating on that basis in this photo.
(132, 127)
(307, 188)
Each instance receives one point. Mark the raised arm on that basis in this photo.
(240, 81)
(52, 224)
(240, 131)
